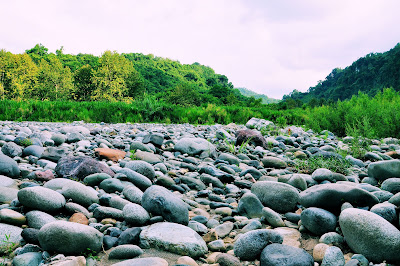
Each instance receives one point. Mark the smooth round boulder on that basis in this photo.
(371, 235)
(383, 170)
(250, 245)
(278, 196)
(34, 150)
(273, 162)
(135, 214)
(332, 196)
(133, 194)
(392, 185)
(175, 238)
(386, 210)
(194, 146)
(278, 254)
(37, 219)
(8, 194)
(79, 193)
(8, 167)
(318, 221)
(160, 201)
(70, 238)
(250, 206)
(142, 167)
(124, 252)
(41, 198)
(333, 256)
(151, 261)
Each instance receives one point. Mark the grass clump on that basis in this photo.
(309, 165)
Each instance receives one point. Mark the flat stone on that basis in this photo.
(175, 238)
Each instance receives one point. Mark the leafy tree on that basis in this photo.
(37, 53)
(111, 77)
(83, 81)
(184, 94)
(55, 82)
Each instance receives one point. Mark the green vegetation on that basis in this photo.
(311, 164)
(265, 99)
(369, 74)
(370, 117)
(7, 246)
(40, 75)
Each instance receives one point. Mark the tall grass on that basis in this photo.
(375, 117)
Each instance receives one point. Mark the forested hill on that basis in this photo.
(265, 99)
(38, 74)
(368, 74)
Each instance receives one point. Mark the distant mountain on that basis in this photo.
(369, 74)
(249, 93)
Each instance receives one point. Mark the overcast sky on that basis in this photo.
(268, 46)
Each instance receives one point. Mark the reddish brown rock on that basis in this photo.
(110, 154)
(255, 138)
(79, 218)
(393, 154)
(44, 176)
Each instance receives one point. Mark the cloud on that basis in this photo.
(271, 47)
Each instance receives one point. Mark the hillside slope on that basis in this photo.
(369, 74)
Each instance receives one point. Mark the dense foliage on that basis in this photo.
(369, 74)
(359, 116)
(40, 75)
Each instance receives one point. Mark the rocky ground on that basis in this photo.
(147, 194)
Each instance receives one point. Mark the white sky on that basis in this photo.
(268, 46)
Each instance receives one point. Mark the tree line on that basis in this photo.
(40, 75)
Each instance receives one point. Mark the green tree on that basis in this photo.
(55, 82)
(115, 78)
(83, 81)
(184, 94)
(38, 52)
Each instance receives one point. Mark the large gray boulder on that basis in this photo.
(332, 196)
(383, 170)
(142, 167)
(250, 206)
(80, 166)
(7, 194)
(250, 245)
(278, 196)
(318, 221)
(160, 201)
(37, 219)
(11, 149)
(371, 235)
(79, 193)
(70, 238)
(9, 234)
(175, 238)
(135, 214)
(151, 261)
(8, 167)
(41, 198)
(278, 254)
(136, 178)
(258, 123)
(195, 146)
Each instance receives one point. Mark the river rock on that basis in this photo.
(160, 201)
(278, 254)
(41, 198)
(7, 194)
(250, 206)
(37, 219)
(142, 167)
(175, 238)
(8, 167)
(332, 196)
(110, 154)
(79, 167)
(124, 252)
(135, 214)
(12, 232)
(250, 245)
(195, 146)
(371, 235)
(152, 261)
(69, 238)
(318, 221)
(383, 170)
(278, 196)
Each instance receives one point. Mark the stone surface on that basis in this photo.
(41, 198)
(383, 170)
(124, 252)
(8, 167)
(160, 201)
(175, 238)
(250, 245)
(278, 254)
(318, 221)
(152, 261)
(371, 235)
(69, 238)
(278, 196)
(80, 166)
(332, 196)
(110, 154)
